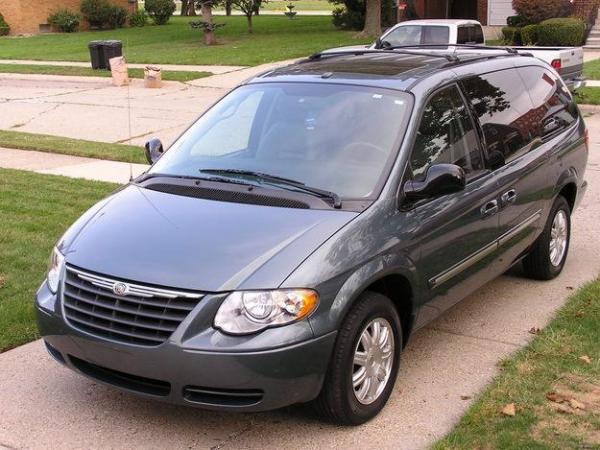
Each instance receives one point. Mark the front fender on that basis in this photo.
(333, 308)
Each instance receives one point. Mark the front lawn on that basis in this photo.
(34, 212)
(548, 395)
(167, 75)
(588, 96)
(68, 146)
(275, 38)
(591, 69)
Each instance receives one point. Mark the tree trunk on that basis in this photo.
(209, 36)
(184, 7)
(192, 8)
(372, 19)
(227, 7)
(249, 17)
(256, 7)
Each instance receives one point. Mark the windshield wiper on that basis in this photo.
(337, 201)
(147, 176)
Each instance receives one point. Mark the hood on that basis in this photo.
(189, 243)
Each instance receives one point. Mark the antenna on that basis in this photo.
(129, 119)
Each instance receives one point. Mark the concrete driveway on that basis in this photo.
(43, 405)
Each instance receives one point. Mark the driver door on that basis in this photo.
(454, 234)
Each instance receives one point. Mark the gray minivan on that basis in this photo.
(287, 245)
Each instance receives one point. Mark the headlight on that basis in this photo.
(57, 260)
(252, 311)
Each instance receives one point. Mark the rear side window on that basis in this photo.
(469, 34)
(502, 105)
(446, 135)
(551, 100)
(477, 36)
(462, 36)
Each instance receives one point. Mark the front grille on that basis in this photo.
(142, 315)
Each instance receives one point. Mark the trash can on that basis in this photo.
(112, 49)
(97, 54)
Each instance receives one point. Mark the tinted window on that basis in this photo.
(446, 135)
(477, 36)
(331, 136)
(503, 107)
(418, 34)
(462, 35)
(550, 100)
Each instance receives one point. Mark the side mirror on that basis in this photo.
(154, 150)
(378, 43)
(440, 179)
(382, 45)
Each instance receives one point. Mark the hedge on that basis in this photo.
(567, 32)
(511, 35)
(529, 34)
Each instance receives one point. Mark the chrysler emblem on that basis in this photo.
(120, 288)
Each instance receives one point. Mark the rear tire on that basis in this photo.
(549, 253)
(342, 399)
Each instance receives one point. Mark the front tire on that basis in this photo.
(364, 364)
(549, 253)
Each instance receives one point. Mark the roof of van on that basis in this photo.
(382, 68)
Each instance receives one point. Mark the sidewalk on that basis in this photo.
(70, 166)
(171, 67)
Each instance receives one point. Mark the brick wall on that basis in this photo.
(482, 11)
(26, 16)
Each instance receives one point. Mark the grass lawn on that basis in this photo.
(275, 38)
(89, 72)
(591, 69)
(34, 212)
(588, 96)
(68, 146)
(554, 384)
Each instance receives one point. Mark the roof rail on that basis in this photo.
(358, 52)
(473, 46)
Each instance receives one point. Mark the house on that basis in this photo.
(488, 12)
(27, 16)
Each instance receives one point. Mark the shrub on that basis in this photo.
(64, 20)
(535, 11)
(516, 21)
(116, 16)
(96, 12)
(4, 28)
(564, 31)
(511, 35)
(160, 10)
(529, 34)
(350, 14)
(138, 18)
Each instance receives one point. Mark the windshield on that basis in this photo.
(418, 34)
(332, 137)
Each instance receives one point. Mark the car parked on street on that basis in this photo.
(289, 243)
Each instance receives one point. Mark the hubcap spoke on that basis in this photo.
(373, 360)
(559, 237)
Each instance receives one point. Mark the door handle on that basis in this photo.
(509, 196)
(490, 208)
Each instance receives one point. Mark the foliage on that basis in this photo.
(4, 28)
(350, 14)
(535, 11)
(65, 20)
(96, 12)
(160, 10)
(529, 34)
(116, 17)
(516, 21)
(564, 31)
(138, 18)
(247, 7)
(205, 26)
(511, 36)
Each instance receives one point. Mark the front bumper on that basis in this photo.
(256, 380)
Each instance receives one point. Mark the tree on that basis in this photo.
(372, 19)
(206, 24)
(248, 7)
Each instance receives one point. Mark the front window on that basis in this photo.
(418, 34)
(333, 137)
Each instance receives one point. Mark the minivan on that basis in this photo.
(287, 245)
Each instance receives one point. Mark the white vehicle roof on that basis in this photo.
(439, 22)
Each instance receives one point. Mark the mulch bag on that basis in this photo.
(152, 77)
(118, 70)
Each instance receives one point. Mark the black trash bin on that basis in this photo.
(112, 49)
(97, 54)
